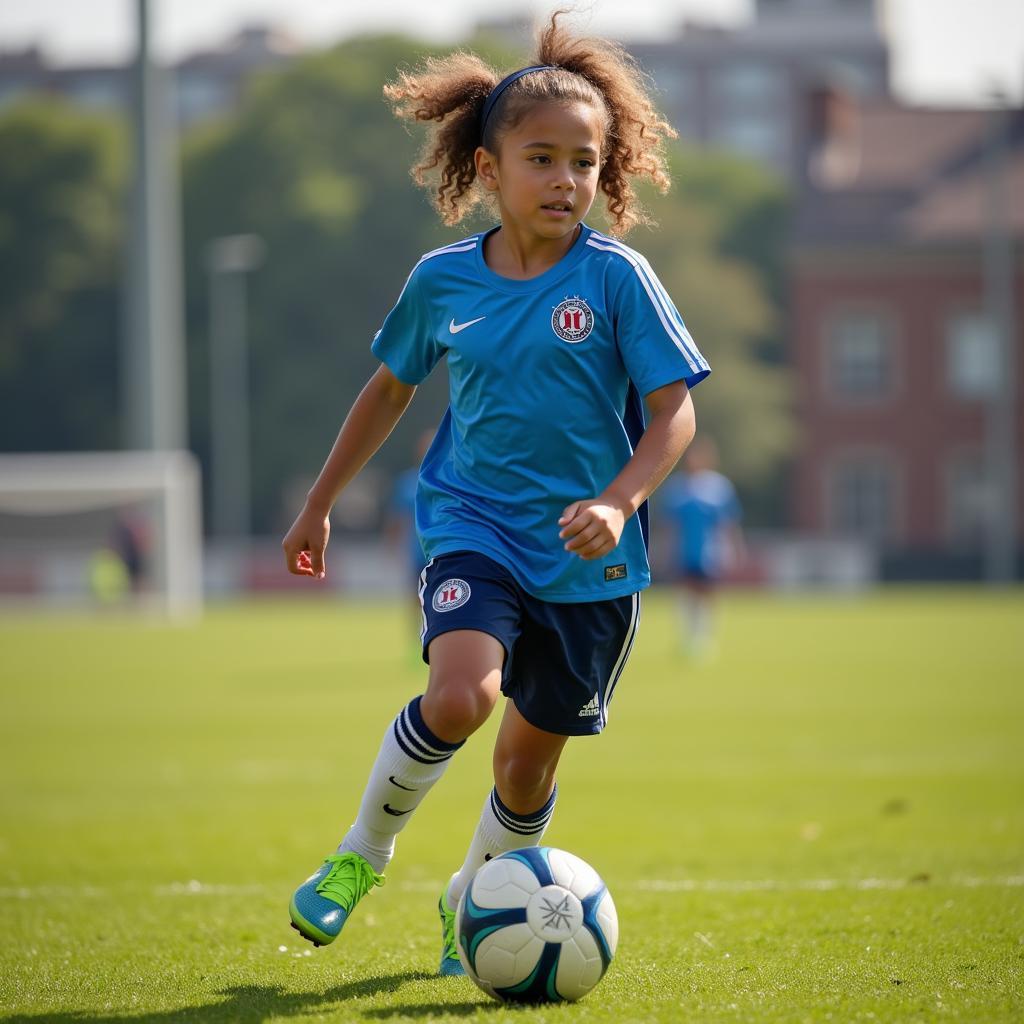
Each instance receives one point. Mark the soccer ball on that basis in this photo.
(536, 925)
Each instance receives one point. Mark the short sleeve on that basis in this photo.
(406, 343)
(653, 341)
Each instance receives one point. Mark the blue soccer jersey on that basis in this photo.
(544, 379)
(701, 505)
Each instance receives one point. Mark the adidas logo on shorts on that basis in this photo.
(592, 707)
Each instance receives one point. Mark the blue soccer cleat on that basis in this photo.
(451, 965)
(322, 904)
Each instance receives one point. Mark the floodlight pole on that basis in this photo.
(153, 377)
(228, 259)
(1000, 420)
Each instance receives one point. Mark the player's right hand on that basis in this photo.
(304, 544)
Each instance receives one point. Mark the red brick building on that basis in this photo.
(892, 349)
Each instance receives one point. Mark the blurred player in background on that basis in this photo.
(704, 512)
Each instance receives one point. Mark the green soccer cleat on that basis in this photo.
(323, 903)
(451, 965)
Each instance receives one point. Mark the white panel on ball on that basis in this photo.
(575, 874)
(508, 884)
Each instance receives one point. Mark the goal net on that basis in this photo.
(106, 529)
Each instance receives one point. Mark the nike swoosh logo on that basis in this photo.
(397, 814)
(454, 328)
(408, 789)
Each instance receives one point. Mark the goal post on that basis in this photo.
(102, 527)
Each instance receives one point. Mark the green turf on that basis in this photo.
(825, 824)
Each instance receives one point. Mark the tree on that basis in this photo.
(61, 176)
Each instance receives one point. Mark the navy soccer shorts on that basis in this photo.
(562, 661)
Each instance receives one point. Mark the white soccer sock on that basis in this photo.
(411, 759)
(499, 831)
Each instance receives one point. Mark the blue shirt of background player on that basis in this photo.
(403, 510)
(535, 421)
(700, 505)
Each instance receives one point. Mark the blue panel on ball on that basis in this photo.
(536, 859)
(540, 986)
(477, 922)
(591, 923)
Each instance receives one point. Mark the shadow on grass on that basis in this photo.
(253, 1004)
(432, 1010)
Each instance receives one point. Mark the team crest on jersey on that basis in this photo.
(572, 320)
(450, 595)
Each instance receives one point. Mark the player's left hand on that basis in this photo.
(591, 528)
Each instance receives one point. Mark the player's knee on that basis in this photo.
(523, 783)
(453, 708)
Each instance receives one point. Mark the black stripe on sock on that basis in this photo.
(416, 740)
(407, 750)
(523, 824)
(422, 731)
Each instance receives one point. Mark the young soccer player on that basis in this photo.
(530, 506)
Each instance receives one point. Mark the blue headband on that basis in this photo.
(495, 94)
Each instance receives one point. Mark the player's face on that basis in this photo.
(546, 173)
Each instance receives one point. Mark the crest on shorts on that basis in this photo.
(572, 320)
(451, 594)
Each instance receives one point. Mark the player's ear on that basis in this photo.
(486, 168)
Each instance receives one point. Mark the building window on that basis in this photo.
(748, 85)
(971, 355)
(860, 356)
(863, 498)
(967, 500)
(752, 135)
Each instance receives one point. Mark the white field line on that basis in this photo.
(823, 884)
(658, 885)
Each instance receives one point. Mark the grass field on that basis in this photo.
(825, 824)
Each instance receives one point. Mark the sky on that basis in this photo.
(943, 51)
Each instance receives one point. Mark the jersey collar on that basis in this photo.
(533, 284)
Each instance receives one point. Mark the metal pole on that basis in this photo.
(228, 258)
(153, 378)
(1000, 425)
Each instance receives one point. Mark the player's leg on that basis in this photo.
(465, 678)
(515, 813)
(700, 590)
(561, 676)
(519, 807)
(681, 595)
(524, 762)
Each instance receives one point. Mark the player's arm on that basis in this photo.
(592, 528)
(371, 419)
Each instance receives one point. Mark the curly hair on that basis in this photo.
(450, 92)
